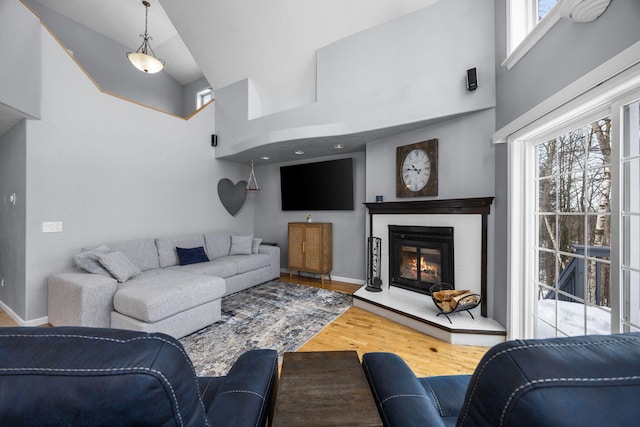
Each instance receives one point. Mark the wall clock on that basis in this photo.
(417, 169)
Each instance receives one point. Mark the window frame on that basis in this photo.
(200, 97)
(524, 30)
(579, 121)
(619, 105)
(607, 98)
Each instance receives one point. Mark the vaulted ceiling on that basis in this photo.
(273, 42)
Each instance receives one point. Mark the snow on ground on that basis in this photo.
(571, 319)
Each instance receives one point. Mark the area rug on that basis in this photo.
(277, 315)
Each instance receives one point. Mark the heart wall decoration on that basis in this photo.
(232, 195)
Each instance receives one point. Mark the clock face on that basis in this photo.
(416, 169)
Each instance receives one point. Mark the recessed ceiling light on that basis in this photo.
(299, 152)
(338, 146)
(265, 157)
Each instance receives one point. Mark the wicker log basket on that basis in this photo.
(448, 300)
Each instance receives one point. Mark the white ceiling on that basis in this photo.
(273, 42)
(123, 22)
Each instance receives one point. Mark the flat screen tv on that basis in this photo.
(320, 186)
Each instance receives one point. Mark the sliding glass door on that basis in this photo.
(573, 232)
(630, 217)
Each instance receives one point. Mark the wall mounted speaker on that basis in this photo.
(214, 140)
(472, 79)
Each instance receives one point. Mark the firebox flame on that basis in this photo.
(429, 271)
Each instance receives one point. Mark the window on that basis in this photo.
(576, 216)
(203, 97)
(544, 6)
(630, 217)
(574, 208)
(523, 16)
(529, 20)
(573, 220)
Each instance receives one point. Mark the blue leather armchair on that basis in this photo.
(576, 381)
(91, 376)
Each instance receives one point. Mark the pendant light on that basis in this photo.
(252, 183)
(144, 59)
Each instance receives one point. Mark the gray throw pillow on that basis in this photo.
(241, 245)
(88, 261)
(255, 244)
(119, 266)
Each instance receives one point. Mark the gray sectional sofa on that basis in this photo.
(169, 285)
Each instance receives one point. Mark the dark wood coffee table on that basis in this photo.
(324, 389)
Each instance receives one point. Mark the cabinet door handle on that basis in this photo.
(302, 247)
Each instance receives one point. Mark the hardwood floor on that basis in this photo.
(359, 330)
(6, 320)
(362, 331)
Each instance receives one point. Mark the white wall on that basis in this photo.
(407, 70)
(109, 169)
(20, 69)
(465, 158)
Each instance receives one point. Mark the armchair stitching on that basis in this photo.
(242, 391)
(403, 395)
(435, 397)
(98, 339)
(90, 337)
(104, 370)
(480, 369)
(558, 380)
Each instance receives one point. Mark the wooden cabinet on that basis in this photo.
(310, 248)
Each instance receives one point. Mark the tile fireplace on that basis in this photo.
(443, 222)
(442, 213)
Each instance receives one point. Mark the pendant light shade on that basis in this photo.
(144, 59)
(146, 63)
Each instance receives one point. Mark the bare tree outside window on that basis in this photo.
(574, 216)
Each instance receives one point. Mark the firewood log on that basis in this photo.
(466, 298)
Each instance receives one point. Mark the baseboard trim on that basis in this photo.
(19, 320)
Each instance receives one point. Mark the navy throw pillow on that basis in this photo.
(191, 255)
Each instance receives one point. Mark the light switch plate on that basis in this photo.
(52, 226)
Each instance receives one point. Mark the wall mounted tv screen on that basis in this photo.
(320, 186)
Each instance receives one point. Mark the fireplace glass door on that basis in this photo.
(420, 264)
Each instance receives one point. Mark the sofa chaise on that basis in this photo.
(108, 377)
(576, 381)
(168, 285)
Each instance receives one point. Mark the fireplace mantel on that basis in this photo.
(471, 206)
(476, 205)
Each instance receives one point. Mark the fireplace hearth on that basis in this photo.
(420, 257)
(480, 206)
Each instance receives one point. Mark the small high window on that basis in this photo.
(523, 16)
(544, 6)
(203, 97)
